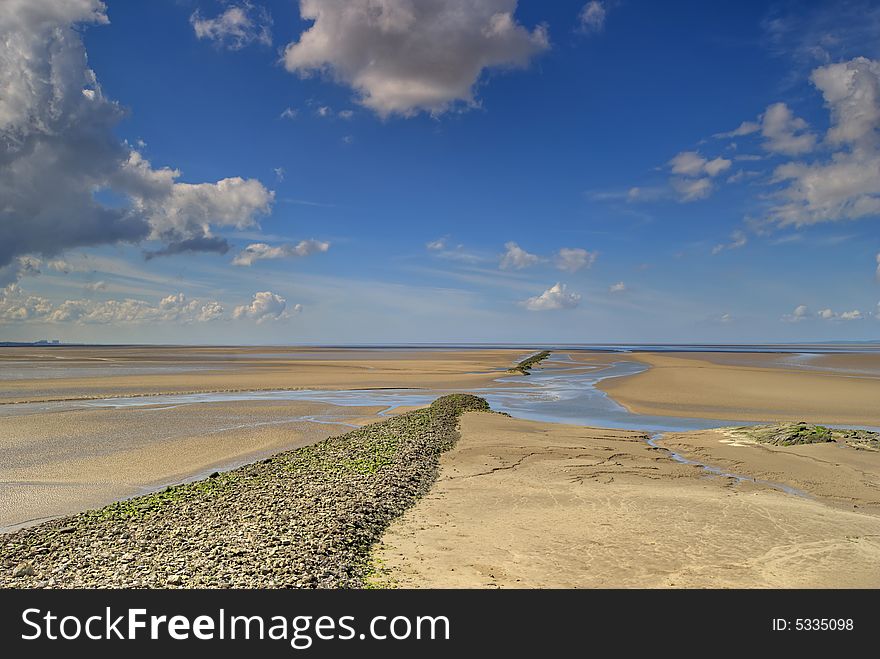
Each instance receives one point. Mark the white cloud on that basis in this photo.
(262, 251)
(694, 174)
(210, 311)
(517, 258)
(801, 312)
(716, 166)
(847, 186)
(346, 114)
(785, 133)
(265, 306)
(240, 25)
(572, 259)
(687, 163)
(279, 173)
(691, 163)
(692, 189)
(15, 306)
(591, 18)
(97, 286)
(737, 239)
(58, 146)
(403, 57)
(436, 245)
(289, 113)
(828, 314)
(877, 273)
(725, 318)
(182, 214)
(555, 297)
(619, 287)
(745, 128)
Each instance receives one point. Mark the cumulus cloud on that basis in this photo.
(58, 146)
(240, 25)
(262, 251)
(572, 259)
(828, 314)
(516, 258)
(784, 132)
(182, 214)
(737, 239)
(694, 174)
(289, 113)
(16, 306)
(209, 311)
(691, 163)
(406, 56)
(846, 186)
(801, 312)
(619, 287)
(591, 18)
(265, 306)
(555, 297)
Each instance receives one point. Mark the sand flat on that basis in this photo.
(521, 504)
(64, 462)
(223, 369)
(731, 386)
(55, 462)
(835, 473)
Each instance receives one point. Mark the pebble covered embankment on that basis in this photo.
(305, 518)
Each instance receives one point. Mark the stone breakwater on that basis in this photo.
(305, 518)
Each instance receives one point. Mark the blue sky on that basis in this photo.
(474, 170)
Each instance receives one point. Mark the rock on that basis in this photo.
(174, 580)
(23, 570)
(67, 529)
(127, 557)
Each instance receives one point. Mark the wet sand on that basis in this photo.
(521, 504)
(61, 463)
(837, 389)
(225, 369)
(839, 475)
(61, 459)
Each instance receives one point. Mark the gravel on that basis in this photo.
(301, 519)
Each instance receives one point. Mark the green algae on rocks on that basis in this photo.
(305, 518)
(801, 432)
(525, 366)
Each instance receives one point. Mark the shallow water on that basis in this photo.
(563, 393)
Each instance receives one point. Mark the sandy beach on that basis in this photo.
(102, 372)
(59, 459)
(839, 389)
(520, 504)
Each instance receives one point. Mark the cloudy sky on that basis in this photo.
(362, 171)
